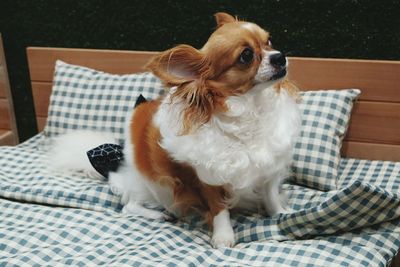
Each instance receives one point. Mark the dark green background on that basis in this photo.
(316, 28)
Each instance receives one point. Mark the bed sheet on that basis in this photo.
(53, 219)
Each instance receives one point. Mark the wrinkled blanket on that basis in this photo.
(49, 218)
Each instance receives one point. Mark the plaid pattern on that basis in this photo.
(81, 238)
(25, 176)
(325, 117)
(84, 98)
(357, 225)
(358, 205)
(385, 174)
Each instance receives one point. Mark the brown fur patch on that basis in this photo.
(190, 194)
(179, 65)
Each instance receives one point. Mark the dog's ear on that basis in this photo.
(188, 69)
(200, 99)
(179, 65)
(223, 18)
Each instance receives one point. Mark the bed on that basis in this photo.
(55, 219)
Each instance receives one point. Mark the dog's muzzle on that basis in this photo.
(273, 67)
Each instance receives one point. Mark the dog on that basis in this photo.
(220, 138)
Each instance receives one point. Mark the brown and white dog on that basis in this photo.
(222, 136)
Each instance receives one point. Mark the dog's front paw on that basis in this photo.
(223, 239)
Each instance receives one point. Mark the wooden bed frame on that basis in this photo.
(374, 131)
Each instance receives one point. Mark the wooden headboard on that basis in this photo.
(374, 131)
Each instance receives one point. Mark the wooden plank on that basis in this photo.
(3, 71)
(378, 80)
(2, 85)
(4, 115)
(375, 122)
(6, 138)
(41, 60)
(41, 122)
(7, 115)
(41, 92)
(372, 151)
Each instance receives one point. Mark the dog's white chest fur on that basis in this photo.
(245, 147)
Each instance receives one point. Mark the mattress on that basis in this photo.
(49, 218)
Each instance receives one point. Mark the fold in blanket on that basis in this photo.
(358, 205)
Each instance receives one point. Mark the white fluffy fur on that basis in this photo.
(249, 147)
(68, 151)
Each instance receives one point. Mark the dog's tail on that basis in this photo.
(68, 152)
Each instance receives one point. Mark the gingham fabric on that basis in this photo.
(386, 173)
(325, 118)
(83, 98)
(52, 219)
(26, 175)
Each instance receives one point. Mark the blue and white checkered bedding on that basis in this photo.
(52, 219)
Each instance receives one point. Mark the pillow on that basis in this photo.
(325, 118)
(83, 98)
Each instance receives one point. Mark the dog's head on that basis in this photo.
(236, 57)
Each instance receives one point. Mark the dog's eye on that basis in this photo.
(247, 56)
(269, 43)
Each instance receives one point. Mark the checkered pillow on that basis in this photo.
(325, 117)
(84, 98)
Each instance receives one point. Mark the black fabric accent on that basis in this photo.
(140, 100)
(106, 158)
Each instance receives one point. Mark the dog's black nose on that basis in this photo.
(277, 60)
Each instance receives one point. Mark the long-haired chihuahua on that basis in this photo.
(220, 138)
